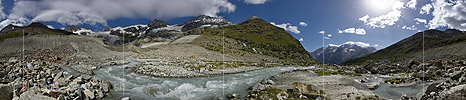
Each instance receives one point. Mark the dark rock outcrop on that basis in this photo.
(204, 20)
(154, 24)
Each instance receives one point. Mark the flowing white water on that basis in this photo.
(140, 87)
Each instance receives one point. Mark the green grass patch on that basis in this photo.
(396, 80)
(11, 35)
(270, 92)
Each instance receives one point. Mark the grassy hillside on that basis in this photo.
(264, 37)
(410, 47)
(32, 29)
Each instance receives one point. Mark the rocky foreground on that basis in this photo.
(445, 80)
(42, 80)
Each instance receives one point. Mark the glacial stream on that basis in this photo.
(140, 87)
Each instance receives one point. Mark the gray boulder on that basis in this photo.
(89, 94)
(304, 89)
(455, 93)
(456, 75)
(30, 95)
(125, 98)
(373, 86)
(427, 90)
(5, 92)
(232, 96)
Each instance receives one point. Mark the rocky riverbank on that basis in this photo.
(306, 84)
(38, 79)
(191, 68)
(446, 80)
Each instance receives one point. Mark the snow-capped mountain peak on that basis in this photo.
(337, 54)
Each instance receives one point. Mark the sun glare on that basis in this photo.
(379, 4)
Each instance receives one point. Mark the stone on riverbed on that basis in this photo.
(232, 96)
(58, 75)
(125, 98)
(373, 86)
(89, 94)
(85, 69)
(456, 75)
(455, 93)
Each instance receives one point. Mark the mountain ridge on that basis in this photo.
(409, 47)
(253, 35)
(341, 53)
(34, 28)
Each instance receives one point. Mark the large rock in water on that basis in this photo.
(427, 90)
(373, 86)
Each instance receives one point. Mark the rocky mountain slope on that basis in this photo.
(254, 36)
(337, 54)
(411, 48)
(154, 31)
(252, 43)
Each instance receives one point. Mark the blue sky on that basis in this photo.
(378, 23)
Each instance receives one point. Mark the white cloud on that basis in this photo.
(419, 20)
(364, 18)
(76, 12)
(339, 31)
(329, 35)
(426, 9)
(301, 39)
(255, 1)
(409, 27)
(283, 25)
(358, 31)
(334, 45)
(2, 14)
(376, 45)
(287, 27)
(350, 30)
(326, 37)
(303, 23)
(293, 29)
(14, 20)
(388, 19)
(411, 4)
(321, 32)
(361, 44)
(446, 14)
